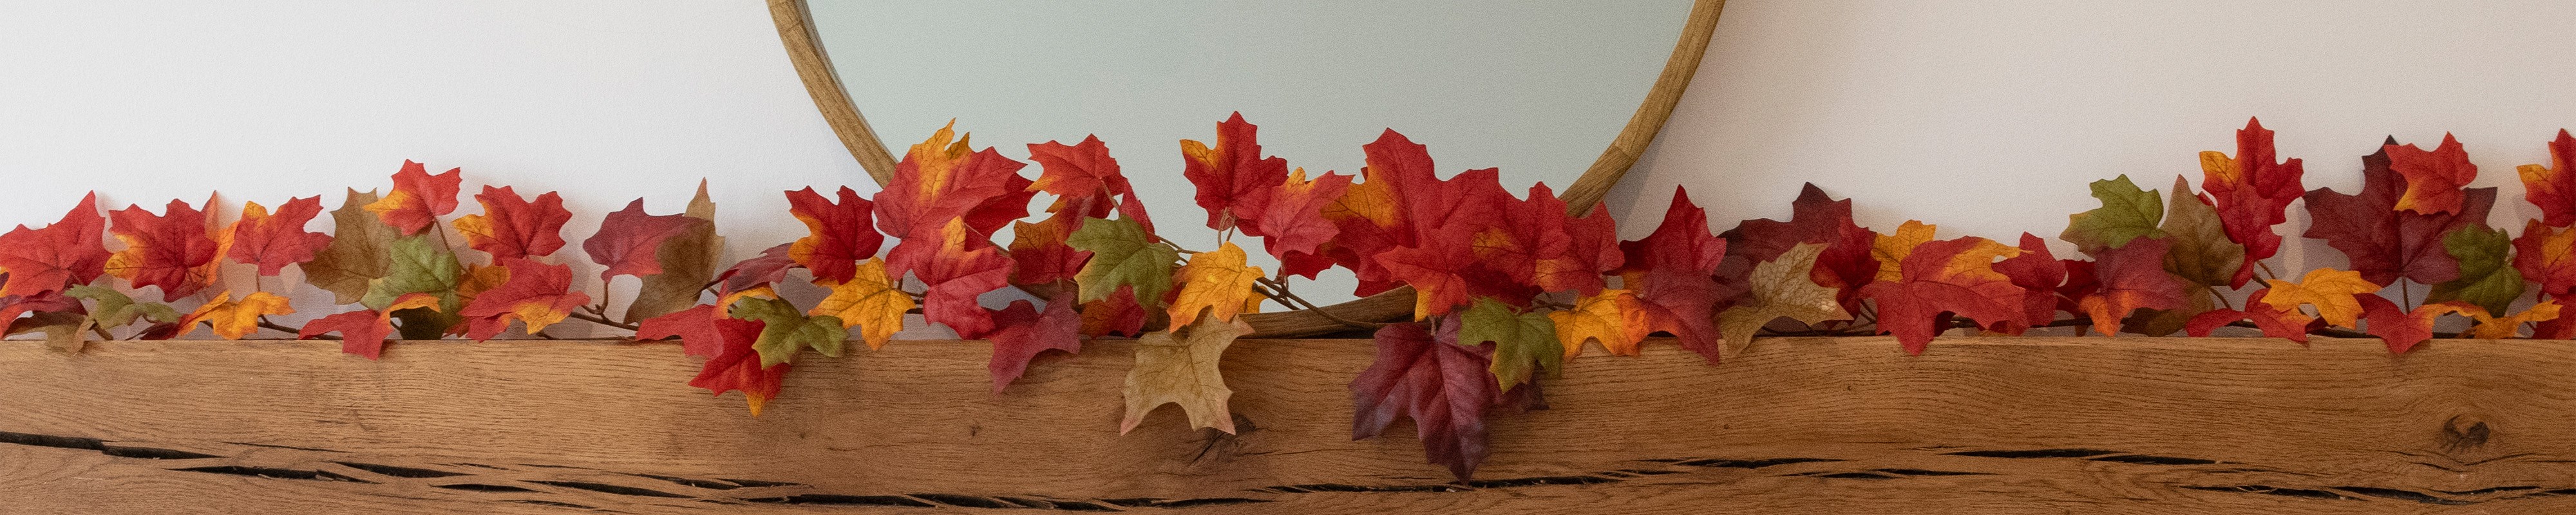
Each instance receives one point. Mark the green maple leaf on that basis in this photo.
(1122, 254)
(2485, 280)
(418, 264)
(115, 309)
(787, 330)
(2127, 213)
(1520, 339)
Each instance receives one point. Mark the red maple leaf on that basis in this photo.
(769, 267)
(2252, 193)
(2040, 275)
(1845, 265)
(1571, 252)
(737, 366)
(1672, 271)
(2393, 325)
(1370, 217)
(1232, 175)
(837, 236)
(1438, 271)
(1024, 332)
(2546, 255)
(362, 332)
(2383, 242)
(1290, 217)
(2130, 278)
(2554, 189)
(1942, 278)
(513, 227)
(964, 267)
(938, 181)
(536, 294)
(172, 250)
(1446, 388)
(627, 240)
(1082, 176)
(2274, 322)
(695, 327)
(1119, 314)
(71, 251)
(2433, 179)
(418, 198)
(272, 241)
(1040, 254)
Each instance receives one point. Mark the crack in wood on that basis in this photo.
(274, 472)
(395, 471)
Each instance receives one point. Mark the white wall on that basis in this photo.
(606, 101)
(1987, 117)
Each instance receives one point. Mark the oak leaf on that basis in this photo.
(175, 250)
(70, 252)
(233, 319)
(513, 227)
(1179, 366)
(869, 302)
(1782, 288)
(418, 198)
(270, 242)
(629, 241)
(1216, 282)
(536, 294)
(2252, 193)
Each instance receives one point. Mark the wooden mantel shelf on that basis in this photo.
(1812, 425)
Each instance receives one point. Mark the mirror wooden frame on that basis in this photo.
(804, 47)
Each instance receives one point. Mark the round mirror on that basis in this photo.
(1536, 88)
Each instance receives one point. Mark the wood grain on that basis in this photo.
(796, 30)
(2003, 425)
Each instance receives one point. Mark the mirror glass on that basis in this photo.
(1536, 88)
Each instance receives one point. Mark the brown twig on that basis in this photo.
(601, 320)
(1282, 293)
(265, 324)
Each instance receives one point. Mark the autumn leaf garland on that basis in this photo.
(1507, 287)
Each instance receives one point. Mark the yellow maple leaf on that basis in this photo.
(2331, 291)
(868, 301)
(1890, 249)
(1609, 317)
(1217, 281)
(1782, 287)
(1180, 367)
(2489, 326)
(233, 319)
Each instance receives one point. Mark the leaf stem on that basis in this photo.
(265, 324)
